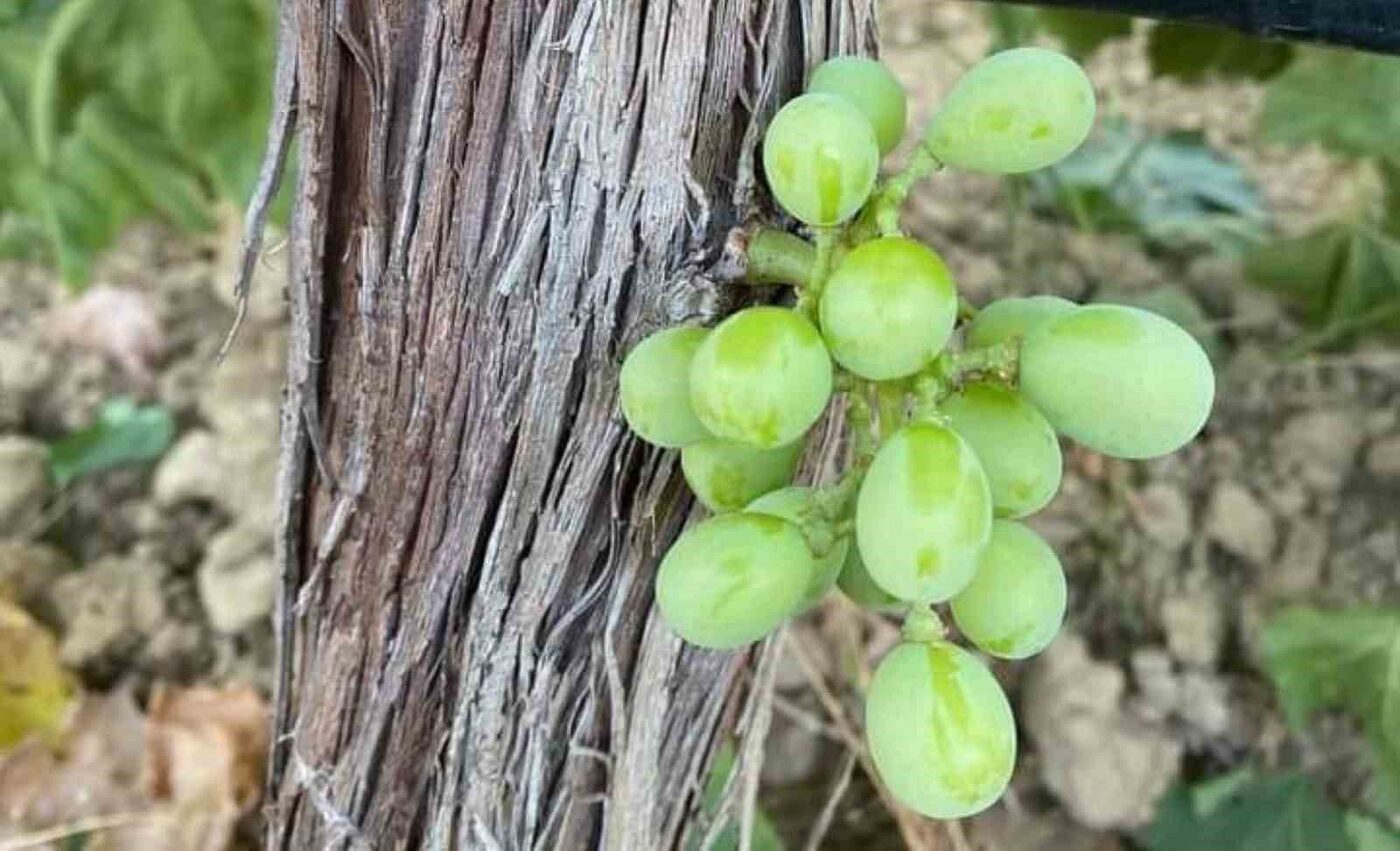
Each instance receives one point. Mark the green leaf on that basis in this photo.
(1276, 814)
(125, 433)
(1367, 834)
(1083, 32)
(1346, 659)
(147, 161)
(1343, 278)
(1192, 52)
(1011, 25)
(1390, 180)
(765, 836)
(1174, 189)
(111, 109)
(1344, 100)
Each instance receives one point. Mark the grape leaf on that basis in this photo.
(1084, 31)
(1390, 183)
(1346, 659)
(1343, 278)
(1347, 101)
(1011, 25)
(1283, 813)
(1081, 32)
(113, 109)
(1173, 189)
(1192, 52)
(124, 433)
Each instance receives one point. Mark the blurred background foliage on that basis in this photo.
(115, 109)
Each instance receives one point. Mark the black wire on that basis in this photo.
(1366, 24)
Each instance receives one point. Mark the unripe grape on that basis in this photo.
(726, 475)
(762, 377)
(795, 504)
(1007, 318)
(821, 158)
(923, 514)
(888, 308)
(732, 579)
(1016, 603)
(1015, 111)
(655, 388)
(1016, 446)
(870, 87)
(1122, 381)
(940, 729)
(855, 582)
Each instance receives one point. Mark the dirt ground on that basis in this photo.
(1289, 495)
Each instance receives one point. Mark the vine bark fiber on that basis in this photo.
(494, 201)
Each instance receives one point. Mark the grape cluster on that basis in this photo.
(954, 416)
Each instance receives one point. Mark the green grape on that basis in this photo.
(733, 578)
(1120, 380)
(795, 504)
(868, 85)
(762, 377)
(1015, 111)
(940, 730)
(856, 584)
(726, 475)
(1006, 318)
(923, 514)
(1016, 602)
(821, 158)
(655, 388)
(888, 309)
(1017, 447)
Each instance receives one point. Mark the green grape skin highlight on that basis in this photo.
(888, 308)
(762, 377)
(1017, 447)
(1013, 112)
(1009, 318)
(821, 158)
(732, 579)
(940, 730)
(1120, 380)
(924, 514)
(869, 86)
(1015, 604)
(855, 582)
(654, 387)
(726, 475)
(794, 504)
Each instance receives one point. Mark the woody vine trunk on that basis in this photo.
(494, 201)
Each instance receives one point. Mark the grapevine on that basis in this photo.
(954, 416)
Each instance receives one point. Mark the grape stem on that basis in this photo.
(881, 213)
(923, 625)
(966, 311)
(834, 504)
(778, 257)
(950, 371)
(827, 240)
(889, 396)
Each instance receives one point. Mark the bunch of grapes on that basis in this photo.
(952, 413)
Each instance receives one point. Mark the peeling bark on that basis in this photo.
(496, 199)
